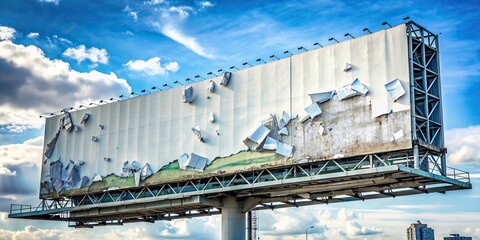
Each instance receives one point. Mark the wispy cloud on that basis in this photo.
(189, 42)
(131, 13)
(152, 66)
(56, 2)
(33, 35)
(205, 4)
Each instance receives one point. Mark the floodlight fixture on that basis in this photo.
(406, 18)
(93, 104)
(113, 99)
(220, 70)
(261, 60)
(287, 52)
(144, 91)
(348, 34)
(273, 56)
(315, 44)
(233, 67)
(300, 48)
(386, 23)
(211, 73)
(246, 63)
(166, 85)
(134, 93)
(333, 39)
(198, 76)
(367, 30)
(177, 82)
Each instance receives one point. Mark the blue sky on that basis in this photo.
(62, 53)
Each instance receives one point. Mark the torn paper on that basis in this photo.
(283, 131)
(284, 120)
(188, 94)
(397, 135)
(225, 78)
(359, 87)
(96, 177)
(353, 89)
(348, 67)
(145, 172)
(284, 149)
(255, 139)
(67, 122)
(321, 97)
(211, 118)
(270, 144)
(211, 86)
(195, 162)
(198, 132)
(395, 89)
(321, 130)
(85, 118)
(51, 145)
(182, 160)
(313, 110)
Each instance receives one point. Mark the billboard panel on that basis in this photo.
(326, 103)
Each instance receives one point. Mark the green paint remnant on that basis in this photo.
(240, 162)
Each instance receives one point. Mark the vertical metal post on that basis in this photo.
(249, 225)
(412, 81)
(416, 159)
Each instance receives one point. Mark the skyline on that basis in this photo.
(59, 53)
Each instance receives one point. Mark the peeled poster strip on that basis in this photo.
(256, 137)
(395, 89)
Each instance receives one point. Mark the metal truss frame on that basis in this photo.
(425, 89)
(330, 181)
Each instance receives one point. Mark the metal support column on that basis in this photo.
(416, 159)
(249, 225)
(233, 220)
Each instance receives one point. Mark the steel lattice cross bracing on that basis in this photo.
(275, 135)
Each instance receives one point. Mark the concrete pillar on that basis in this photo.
(233, 220)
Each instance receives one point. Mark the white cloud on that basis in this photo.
(182, 11)
(153, 2)
(205, 4)
(131, 13)
(128, 33)
(6, 33)
(81, 53)
(50, 1)
(353, 228)
(28, 152)
(6, 171)
(33, 84)
(152, 66)
(463, 145)
(188, 42)
(62, 39)
(33, 35)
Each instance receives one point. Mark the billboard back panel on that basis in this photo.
(272, 114)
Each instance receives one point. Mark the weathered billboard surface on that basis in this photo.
(344, 100)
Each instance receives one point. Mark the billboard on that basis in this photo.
(339, 101)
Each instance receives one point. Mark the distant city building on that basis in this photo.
(420, 231)
(455, 236)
